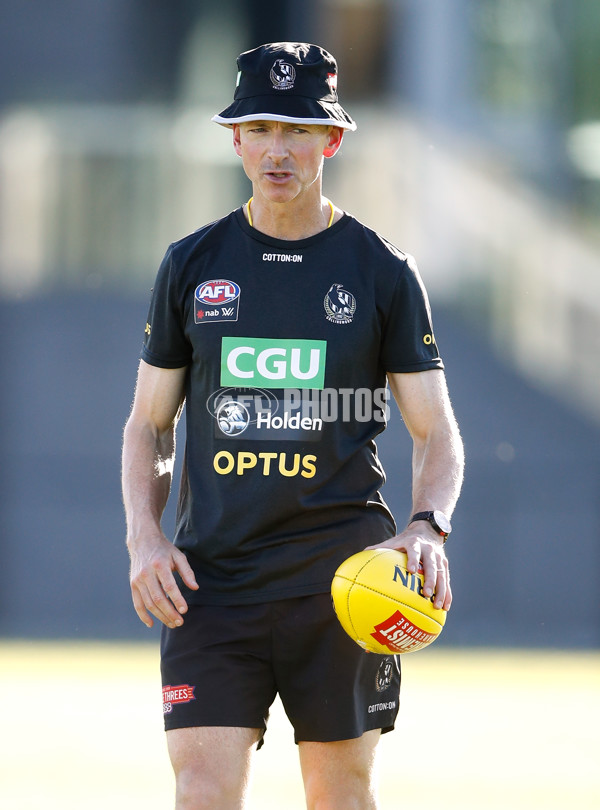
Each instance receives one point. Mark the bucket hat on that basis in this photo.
(286, 81)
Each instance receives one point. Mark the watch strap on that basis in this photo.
(421, 516)
(430, 518)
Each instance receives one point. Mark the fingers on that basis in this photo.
(156, 593)
(446, 604)
(413, 557)
(436, 578)
(140, 607)
(153, 600)
(186, 572)
(428, 557)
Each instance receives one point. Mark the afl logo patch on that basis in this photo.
(340, 305)
(216, 300)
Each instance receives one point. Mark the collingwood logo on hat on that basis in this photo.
(282, 75)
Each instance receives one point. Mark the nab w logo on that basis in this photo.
(273, 363)
(227, 311)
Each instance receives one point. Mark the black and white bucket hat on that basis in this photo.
(286, 81)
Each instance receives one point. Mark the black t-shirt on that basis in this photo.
(287, 346)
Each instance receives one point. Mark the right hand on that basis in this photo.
(153, 586)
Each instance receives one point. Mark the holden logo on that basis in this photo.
(232, 417)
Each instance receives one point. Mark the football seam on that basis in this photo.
(353, 582)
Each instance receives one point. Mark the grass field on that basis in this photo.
(485, 730)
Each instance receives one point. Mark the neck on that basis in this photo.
(290, 221)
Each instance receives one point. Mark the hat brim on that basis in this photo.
(292, 109)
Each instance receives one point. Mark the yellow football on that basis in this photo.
(381, 605)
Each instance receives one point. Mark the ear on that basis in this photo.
(236, 140)
(334, 141)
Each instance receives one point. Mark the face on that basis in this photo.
(284, 160)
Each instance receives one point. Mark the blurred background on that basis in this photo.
(477, 150)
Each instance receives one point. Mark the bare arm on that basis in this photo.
(437, 472)
(148, 457)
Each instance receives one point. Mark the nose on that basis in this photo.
(277, 146)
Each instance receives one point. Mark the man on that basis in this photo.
(278, 326)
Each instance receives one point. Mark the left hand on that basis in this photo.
(423, 545)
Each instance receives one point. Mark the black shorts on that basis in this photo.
(225, 665)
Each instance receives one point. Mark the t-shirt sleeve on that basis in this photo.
(165, 342)
(408, 340)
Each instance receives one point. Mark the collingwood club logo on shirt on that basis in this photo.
(216, 300)
(340, 305)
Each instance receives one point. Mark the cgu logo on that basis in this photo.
(273, 363)
(218, 291)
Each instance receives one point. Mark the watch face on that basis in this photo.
(442, 521)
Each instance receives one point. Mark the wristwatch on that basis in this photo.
(438, 520)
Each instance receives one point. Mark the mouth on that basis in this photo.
(278, 175)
